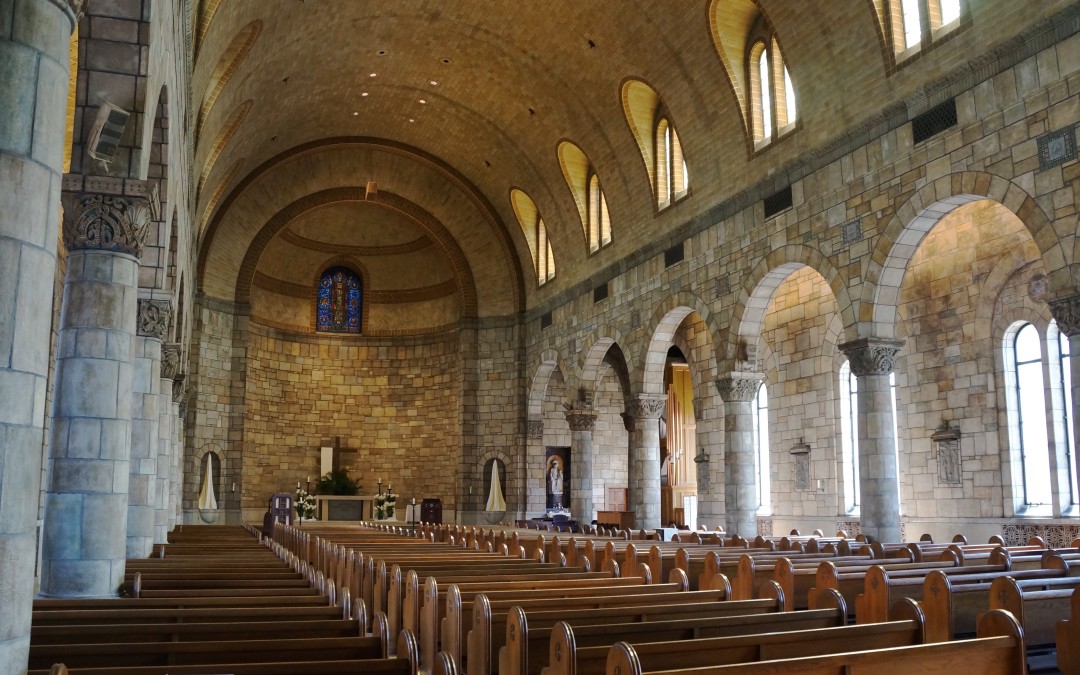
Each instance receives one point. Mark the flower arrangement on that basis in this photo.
(305, 504)
(385, 503)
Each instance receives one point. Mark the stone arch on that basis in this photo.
(195, 471)
(1017, 258)
(925, 208)
(423, 219)
(593, 360)
(748, 312)
(511, 496)
(550, 361)
(666, 320)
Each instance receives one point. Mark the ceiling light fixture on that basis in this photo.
(433, 83)
(423, 102)
(355, 113)
(372, 74)
(412, 120)
(363, 93)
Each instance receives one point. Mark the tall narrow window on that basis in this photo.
(599, 220)
(663, 162)
(950, 11)
(545, 260)
(849, 437)
(1067, 415)
(789, 97)
(761, 445)
(910, 12)
(766, 96)
(1029, 403)
(339, 301)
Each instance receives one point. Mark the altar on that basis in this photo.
(344, 507)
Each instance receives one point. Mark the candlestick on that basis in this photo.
(297, 485)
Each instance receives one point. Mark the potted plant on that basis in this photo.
(337, 482)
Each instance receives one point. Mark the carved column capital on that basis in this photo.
(739, 386)
(1066, 312)
(154, 319)
(107, 222)
(170, 361)
(646, 406)
(73, 8)
(580, 419)
(871, 356)
(179, 390)
(534, 429)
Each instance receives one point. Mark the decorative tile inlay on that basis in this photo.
(851, 232)
(1057, 147)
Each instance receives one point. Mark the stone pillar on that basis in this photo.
(1066, 313)
(535, 492)
(581, 421)
(176, 482)
(642, 418)
(871, 362)
(34, 39)
(84, 543)
(738, 390)
(170, 368)
(151, 329)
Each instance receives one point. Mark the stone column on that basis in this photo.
(738, 390)
(581, 421)
(34, 39)
(642, 418)
(871, 362)
(84, 543)
(176, 475)
(170, 368)
(151, 329)
(535, 493)
(1066, 313)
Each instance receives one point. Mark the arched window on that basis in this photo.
(584, 184)
(849, 437)
(650, 122)
(773, 109)
(599, 222)
(340, 301)
(1027, 415)
(761, 446)
(536, 234)
(670, 166)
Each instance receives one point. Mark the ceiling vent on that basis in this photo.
(107, 131)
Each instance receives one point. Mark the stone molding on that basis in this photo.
(106, 222)
(871, 356)
(1066, 313)
(154, 319)
(739, 386)
(170, 361)
(74, 10)
(580, 419)
(646, 406)
(534, 429)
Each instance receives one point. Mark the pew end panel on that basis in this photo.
(1067, 632)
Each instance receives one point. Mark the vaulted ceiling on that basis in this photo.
(449, 106)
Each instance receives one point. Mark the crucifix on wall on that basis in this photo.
(333, 458)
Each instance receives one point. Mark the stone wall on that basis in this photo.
(396, 401)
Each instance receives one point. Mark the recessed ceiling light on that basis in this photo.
(445, 60)
(363, 93)
(434, 83)
(372, 74)
(355, 113)
(411, 119)
(381, 52)
(423, 101)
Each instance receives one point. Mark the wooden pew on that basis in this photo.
(578, 648)
(998, 650)
(406, 664)
(429, 621)
(1068, 638)
(1037, 604)
(490, 621)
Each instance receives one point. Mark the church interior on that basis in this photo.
(751, 265)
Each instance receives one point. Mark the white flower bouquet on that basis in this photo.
(384, 504)
(305, 504)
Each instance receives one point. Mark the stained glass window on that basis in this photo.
(339, 301)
